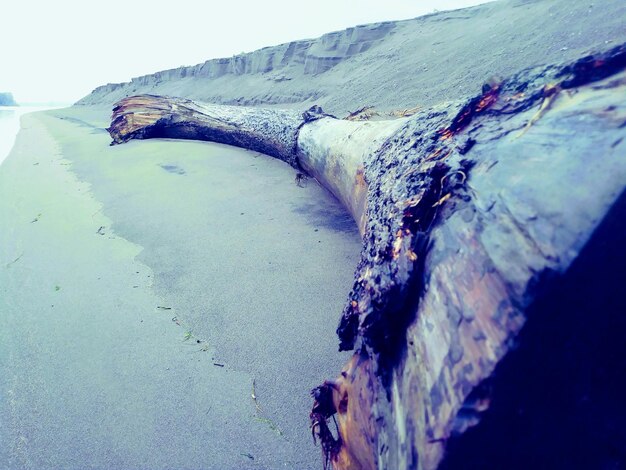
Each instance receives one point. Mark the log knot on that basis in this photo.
(314, 113)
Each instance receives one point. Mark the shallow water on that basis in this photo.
(10, 125)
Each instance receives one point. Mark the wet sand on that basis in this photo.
(145, 288)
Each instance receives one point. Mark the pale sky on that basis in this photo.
(60, 50)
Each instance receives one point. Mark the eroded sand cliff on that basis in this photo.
(395, 65)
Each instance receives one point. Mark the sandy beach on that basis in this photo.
(170, 304)
(147, 291)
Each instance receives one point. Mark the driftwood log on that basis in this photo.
(486, 314)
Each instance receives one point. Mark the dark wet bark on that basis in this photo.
(525, 172)
(474, 216)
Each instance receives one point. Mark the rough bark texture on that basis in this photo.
(472, 210)
(475, 217)
(273, 132)
(6, 99)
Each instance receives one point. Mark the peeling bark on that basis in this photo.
(470, 213)
(273, 132)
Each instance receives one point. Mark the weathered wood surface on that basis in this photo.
(273, 132)
(472, 214)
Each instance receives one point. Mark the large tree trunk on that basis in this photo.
(331, 150)
(483, 224)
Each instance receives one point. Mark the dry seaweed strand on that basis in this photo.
(258, 413)
(550, 92)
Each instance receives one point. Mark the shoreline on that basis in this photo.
(10, 117)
